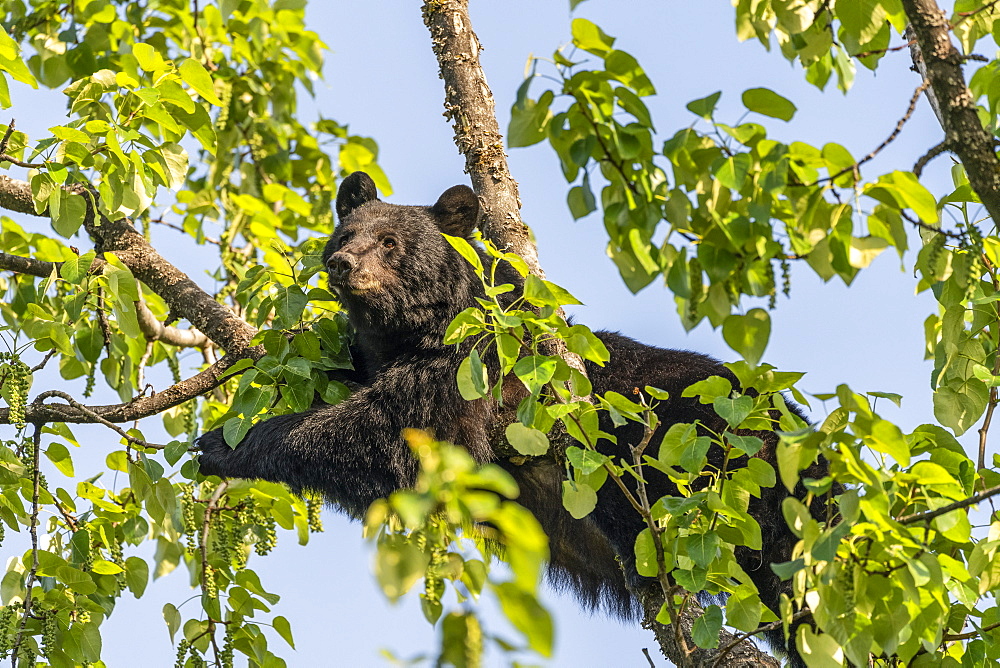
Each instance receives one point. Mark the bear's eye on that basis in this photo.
(343, 241)
(388, 243)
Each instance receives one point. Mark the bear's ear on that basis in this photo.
(457, 211)
(355, 190)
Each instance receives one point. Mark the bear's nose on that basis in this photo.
(341, 264)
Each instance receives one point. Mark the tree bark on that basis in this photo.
(470, 106)
(940, 62)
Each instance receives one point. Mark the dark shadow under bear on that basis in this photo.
(402, 284)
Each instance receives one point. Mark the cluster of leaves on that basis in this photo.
(71, 581)
(447, 530)
(189, 119)
(896, 577)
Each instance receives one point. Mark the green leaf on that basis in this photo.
(579, 498)
(136, 575)
(822, 650)
(535, 371)
(195, 75)
(528, 121)
(744, 609)
(701, 548)
(172, 616)
(705, 106)
(585, 461)
(69, 215)
(705, 631)
(473, 381)
(284, 629)
(733, 171)
(748, 334)
(527, 440)
(466, 250)
(527, 615)
(590, 38)
(58, 454)
(765, 101)
(733, 411)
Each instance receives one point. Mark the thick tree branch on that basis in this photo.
(469, 104)
(137, 409)
(939, 61)
(732, 652)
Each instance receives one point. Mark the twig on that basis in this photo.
(139, 407)
(895, 133)
(206, 569)
(969, 635)
(645, 651)
(161, 221)
(97, 418)
(33, 523)
(918, 166)
(45, 360)
(928, 515)
(6, 136)
(925, 226)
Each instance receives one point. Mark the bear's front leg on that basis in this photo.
(264, 452)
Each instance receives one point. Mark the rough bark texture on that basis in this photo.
(941, 63)
(744, 654)
(470, 106)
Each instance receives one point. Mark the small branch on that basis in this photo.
(136, 409)
(892, 137)
(928, 515)
(918, 166)
(760, 629)
(95, 417)
(968, 636)
(924, 226)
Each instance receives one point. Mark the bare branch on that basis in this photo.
(928, 515)
(39, 401)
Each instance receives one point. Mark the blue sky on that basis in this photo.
(381, 78)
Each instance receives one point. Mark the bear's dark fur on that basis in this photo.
(402, 284)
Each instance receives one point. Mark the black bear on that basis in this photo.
(402, 284)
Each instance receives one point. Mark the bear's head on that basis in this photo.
(391, 267)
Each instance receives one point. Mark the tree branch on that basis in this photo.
(137, 409)
(938, 61)
(469, 104)
(964, 503)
